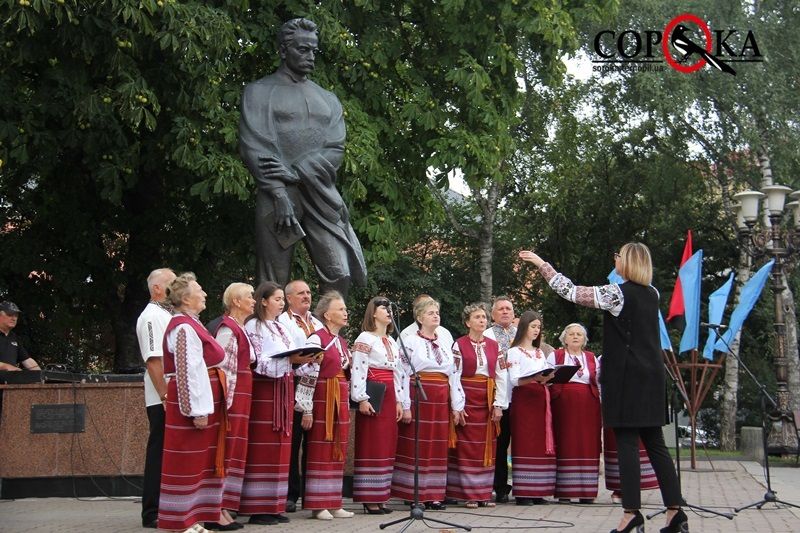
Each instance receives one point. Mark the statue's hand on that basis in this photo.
(284, 212)
(274, 169)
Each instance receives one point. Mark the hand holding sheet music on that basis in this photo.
(558, 374)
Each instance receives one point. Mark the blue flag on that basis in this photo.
(690, 274)
(747, 299)
(613, 277)
(716, 310)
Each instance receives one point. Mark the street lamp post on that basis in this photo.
(780, 244)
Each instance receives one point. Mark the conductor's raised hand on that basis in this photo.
(531, 257)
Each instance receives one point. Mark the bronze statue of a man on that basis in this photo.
(291, 136)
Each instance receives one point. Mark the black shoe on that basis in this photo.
(291, 507)
(216, 526)
(451, 501)
(523, 501)
(539, 501)
(586, 500)
(385, 510)
(636, 524)
(263, 520)
(678, 524)
(367, 510)
(152, 524)
(435, 506)
(501, 497)
(282, 519)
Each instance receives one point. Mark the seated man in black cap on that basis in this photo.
(12, 353)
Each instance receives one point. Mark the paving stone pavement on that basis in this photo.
(721, 485)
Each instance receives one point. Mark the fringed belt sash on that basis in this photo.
(282, 404)
(549, 441)
(224, 424)
(492, 428)
(332, 405)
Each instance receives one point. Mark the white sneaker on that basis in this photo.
(341, 513)
(322, 515)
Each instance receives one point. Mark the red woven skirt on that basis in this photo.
(269, 446)
(469, 477)
(375, 446)
(434, 420)
(533, 468)
(191, 490)
(576, 427)
(327, 448)
(236, 441)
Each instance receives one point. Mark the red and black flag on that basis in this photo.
(676, 309)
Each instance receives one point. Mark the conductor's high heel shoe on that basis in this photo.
(635, 524)
(678, 524)
(368, 510)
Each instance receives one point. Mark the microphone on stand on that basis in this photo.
(713, 326)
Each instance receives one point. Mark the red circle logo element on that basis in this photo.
(700, 63)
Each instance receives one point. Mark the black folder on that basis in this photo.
(376, 391)
(563, 373)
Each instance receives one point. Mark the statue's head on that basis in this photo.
(297, 45)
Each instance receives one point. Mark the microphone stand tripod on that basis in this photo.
(678, 398)
(770, 496)
(417, 510)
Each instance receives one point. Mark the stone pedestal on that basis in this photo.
(111, 445)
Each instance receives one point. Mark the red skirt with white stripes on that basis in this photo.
(533, 469)
(375, 446)
(269, 446)
(434, 420)
(576, 427)
(325, 458)
(191, 491)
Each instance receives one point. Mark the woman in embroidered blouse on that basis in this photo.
(194, 435)
(576, 419)
(239, 304)
(266, 478)
(376, 358)
(633, 377)
(532, 443)
(481, 370)
(321, 396)
(431, 355)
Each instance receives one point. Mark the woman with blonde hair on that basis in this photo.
(239, 304)
(633, 377)
(576, 418)
(429, 352)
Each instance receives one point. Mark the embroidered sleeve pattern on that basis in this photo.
(182, 374)
(230, 364)
(606, 297)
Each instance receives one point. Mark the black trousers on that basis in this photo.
(297, 470)
(501, 485)
(152, 464)
(629, 469)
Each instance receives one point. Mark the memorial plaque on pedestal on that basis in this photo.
(58, 418)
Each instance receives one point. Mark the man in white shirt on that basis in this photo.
(301, 325)
(150, 329)
(503, 331)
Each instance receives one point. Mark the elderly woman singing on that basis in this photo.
(194, 435)
(322, 395)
